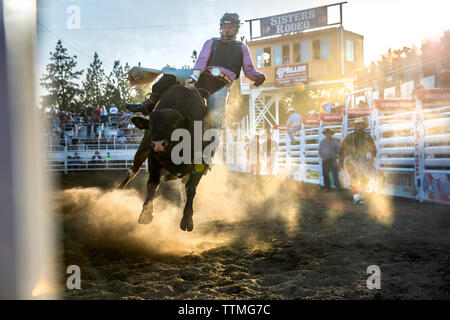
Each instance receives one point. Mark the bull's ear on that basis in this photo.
(141, 123)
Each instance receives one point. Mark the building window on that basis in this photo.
(304, 51)
(350, 50)
(263, 57)
(281, 55)
(324, 48)
(301, 52)
(321, 49)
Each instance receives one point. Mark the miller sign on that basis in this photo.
(288, 76)
(294, 21)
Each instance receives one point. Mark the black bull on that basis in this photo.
(178, 108)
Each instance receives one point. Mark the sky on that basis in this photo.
(161, 32)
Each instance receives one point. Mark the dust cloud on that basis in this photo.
(109, 217)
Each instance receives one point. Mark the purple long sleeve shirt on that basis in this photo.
(247, 62)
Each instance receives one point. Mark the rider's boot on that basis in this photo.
(146, 106)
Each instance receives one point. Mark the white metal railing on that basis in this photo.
(413, 151)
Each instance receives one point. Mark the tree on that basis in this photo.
(60, 81)
(95, 83)
(117, 90)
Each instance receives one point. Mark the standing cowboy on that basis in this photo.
(293, 124)
(328, 152)
(358, 150)
(224, 58)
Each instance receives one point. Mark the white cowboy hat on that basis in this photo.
(290, 110)
(361, 121)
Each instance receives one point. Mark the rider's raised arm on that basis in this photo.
(203, 57)
(247, 64)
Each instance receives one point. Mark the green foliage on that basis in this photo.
(117, 90)
(94, 84)
(60, 81)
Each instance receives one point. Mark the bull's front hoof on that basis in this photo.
(146, 216)
(187, 224)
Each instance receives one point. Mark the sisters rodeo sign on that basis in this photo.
(294, 21)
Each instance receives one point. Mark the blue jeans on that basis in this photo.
(216, 105)
(326, 166)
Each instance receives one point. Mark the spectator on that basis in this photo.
(74, 162)
(326, 108)
(122, 139)
(108, 157)
(97, 112)
(104, 115)
(113, 110)
(96, 158)
(293, 124)
(88, 125)
(328, 152)
(69, 140)
(96, 119)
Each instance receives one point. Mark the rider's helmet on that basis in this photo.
(229, 19)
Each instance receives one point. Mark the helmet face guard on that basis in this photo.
(229, 19)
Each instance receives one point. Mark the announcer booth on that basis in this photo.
(307, 49)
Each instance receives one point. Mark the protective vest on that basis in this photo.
(226, 54)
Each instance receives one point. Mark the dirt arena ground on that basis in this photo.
(254, 238)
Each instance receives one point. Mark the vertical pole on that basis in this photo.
(377, 133)
(257, 169)
(418, 150)
(321, 173)
(342, 48)
(302, 153)
(277, 111)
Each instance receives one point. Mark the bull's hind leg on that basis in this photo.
(187, 223)
(183, 198)
(153, 182)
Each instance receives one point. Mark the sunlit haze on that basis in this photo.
(157, 33)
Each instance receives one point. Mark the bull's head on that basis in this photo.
(162, 123)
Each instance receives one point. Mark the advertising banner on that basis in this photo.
(331, 117)
(433, 94)
(436, 187)
(394, 103)
(396, 183)
(292, 75)
(359, 111)
(311, 120)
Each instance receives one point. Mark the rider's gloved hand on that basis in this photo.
(259, 80)
(192, 80)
